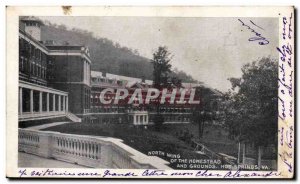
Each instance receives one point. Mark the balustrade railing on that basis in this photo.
(202, 149)
(90, 151)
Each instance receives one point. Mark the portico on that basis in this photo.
(38, 102)
(139, 117)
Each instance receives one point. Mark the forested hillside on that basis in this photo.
(106, 55)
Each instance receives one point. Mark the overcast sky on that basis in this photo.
(209, 49)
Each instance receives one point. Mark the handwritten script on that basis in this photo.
(286, 95)
(144, 173)
(252, 27)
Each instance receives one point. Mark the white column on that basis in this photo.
(64, 103)
(89, 74)
(67, 104)
(54, 102)
(134, 119)
(147, 119)
(20, 101)
(48, 104)
(87, 69)
(31, 101)
(59, 103)
(41, 102)
(84, 73)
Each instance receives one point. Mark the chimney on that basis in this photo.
(33, 27)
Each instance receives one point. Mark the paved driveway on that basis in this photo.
(29, 160)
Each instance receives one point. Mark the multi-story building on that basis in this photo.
(135, 113)
(54, 79)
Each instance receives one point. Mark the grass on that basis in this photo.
(168, 140)
(214, 137)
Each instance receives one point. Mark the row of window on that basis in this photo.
(105, 80)
(25, 66)
(173, 118)
(32, 24)
(87, 103)
(33, 61)
(116, 119)
(30, 51)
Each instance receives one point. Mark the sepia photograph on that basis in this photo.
(183, 96)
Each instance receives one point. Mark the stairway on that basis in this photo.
(73, 117)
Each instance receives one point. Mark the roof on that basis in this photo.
(64, 47)
(131, 81)
(31, 19)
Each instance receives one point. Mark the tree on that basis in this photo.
(251, 105)
(161, 69)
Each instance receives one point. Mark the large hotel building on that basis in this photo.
(56, 81)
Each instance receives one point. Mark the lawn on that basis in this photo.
(214, 137)
(144, 140)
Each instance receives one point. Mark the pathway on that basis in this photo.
(29, 160)
(39, 127)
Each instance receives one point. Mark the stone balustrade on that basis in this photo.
(90, 151)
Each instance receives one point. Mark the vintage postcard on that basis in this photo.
(150, 92)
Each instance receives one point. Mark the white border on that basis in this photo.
(111, 2)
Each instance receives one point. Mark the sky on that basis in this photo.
(211, 50)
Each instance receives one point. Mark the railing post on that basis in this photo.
(106, 155)
(45, 143)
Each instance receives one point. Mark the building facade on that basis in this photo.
(54, 79)
(135, 113)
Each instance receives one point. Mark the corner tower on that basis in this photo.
(33, 27)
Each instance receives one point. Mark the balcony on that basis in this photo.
(40, 102)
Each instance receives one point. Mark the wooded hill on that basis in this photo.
(107, 56)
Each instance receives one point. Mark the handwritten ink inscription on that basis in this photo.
(147, 173)
(252, 27)
(285, 95)
(287, 23)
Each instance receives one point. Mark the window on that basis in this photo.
(32, 50)
(36, 53)
(38, 70)
(42, 73)
(30, 67)
(21, 63)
